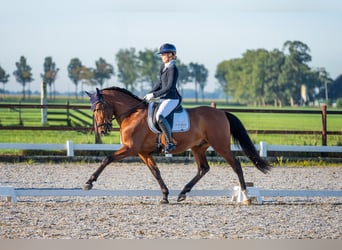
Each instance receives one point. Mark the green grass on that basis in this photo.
(252, 121)
(269, 121)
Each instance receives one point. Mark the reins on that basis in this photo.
(128, 111)
(117, 116)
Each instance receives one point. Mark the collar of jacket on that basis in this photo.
(166, 65)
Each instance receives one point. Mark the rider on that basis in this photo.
(166, 90)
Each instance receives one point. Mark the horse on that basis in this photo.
(209, 127)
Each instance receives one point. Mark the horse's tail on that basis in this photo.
(241, 137)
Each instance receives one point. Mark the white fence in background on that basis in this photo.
(70, 147)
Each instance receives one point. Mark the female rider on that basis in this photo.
(166, 90)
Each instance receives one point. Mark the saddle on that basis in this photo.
(178, 119)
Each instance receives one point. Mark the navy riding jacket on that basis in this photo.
(166, 88)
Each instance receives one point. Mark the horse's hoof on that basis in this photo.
(87, 186)
(181, 197)
(247, 202)
(164, 201)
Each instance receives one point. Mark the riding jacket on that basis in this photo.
(166, 88)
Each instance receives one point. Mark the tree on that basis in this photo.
(274, 91)
(320, 82)
(148, 66)
(127, 67)
(183, 75)
(263, 77)
(254, 73)
(295, 69)
(3, 78)
(87, 77)
(231, 71)
(74, 69)
(103, 71)
(199, 74)
(335, 88)
(23, 73)
(220, 75)
(50, 73)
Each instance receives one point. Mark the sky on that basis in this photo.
(204, 31)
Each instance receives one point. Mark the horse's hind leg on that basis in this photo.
(236, 166)
(202, 168)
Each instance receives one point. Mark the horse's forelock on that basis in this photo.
(94, 99)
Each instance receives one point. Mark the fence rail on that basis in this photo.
(87, 126)
(11, 193)
(70, 148)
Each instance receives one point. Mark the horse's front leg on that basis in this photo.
(149, 161)
(116, 156)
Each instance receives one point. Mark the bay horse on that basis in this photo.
(209, 127)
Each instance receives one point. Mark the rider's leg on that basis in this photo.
(165, 108)
(166, 129)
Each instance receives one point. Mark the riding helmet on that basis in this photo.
(167, 48)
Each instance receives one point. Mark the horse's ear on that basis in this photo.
(99, 94)
(88, 93)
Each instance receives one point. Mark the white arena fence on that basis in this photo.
(11, 193)
(70, 147)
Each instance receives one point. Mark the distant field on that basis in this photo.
(252, 121)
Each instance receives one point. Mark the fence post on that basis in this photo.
(43, 101)
(263, 149)
(68, 114)
(21, 123)
(70, 148)
(324, 125)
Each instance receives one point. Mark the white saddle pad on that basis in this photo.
(181, 122)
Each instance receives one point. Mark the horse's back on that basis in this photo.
(208, 118)
(206, 113)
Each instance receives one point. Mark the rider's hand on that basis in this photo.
(148, 97)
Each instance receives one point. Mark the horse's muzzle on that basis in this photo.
(104, 128)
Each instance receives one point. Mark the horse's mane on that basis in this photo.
(125, 91)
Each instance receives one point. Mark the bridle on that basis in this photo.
(107, 124)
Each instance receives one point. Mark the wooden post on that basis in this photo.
(324, 125)
(43, 101)
(21, 123)
(68, 114)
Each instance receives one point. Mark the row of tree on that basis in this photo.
(134, 69)
(276, 77)
(260, 77)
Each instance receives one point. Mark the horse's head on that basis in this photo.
(102, 113)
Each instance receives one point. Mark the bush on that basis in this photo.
(339, 103)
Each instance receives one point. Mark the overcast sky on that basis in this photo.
(204, 31)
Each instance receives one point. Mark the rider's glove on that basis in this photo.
(148, 97)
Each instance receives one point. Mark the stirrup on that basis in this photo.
(170, 147)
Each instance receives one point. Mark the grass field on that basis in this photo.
(252, 121)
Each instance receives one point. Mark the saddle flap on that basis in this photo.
(179, 121)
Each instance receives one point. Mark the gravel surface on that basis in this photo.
(144, 218)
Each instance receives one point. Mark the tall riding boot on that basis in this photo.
(166, 129)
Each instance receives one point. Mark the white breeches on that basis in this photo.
(166, 107)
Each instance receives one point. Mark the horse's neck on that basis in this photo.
(123, 105)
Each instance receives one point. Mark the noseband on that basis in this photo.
(107, 124)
